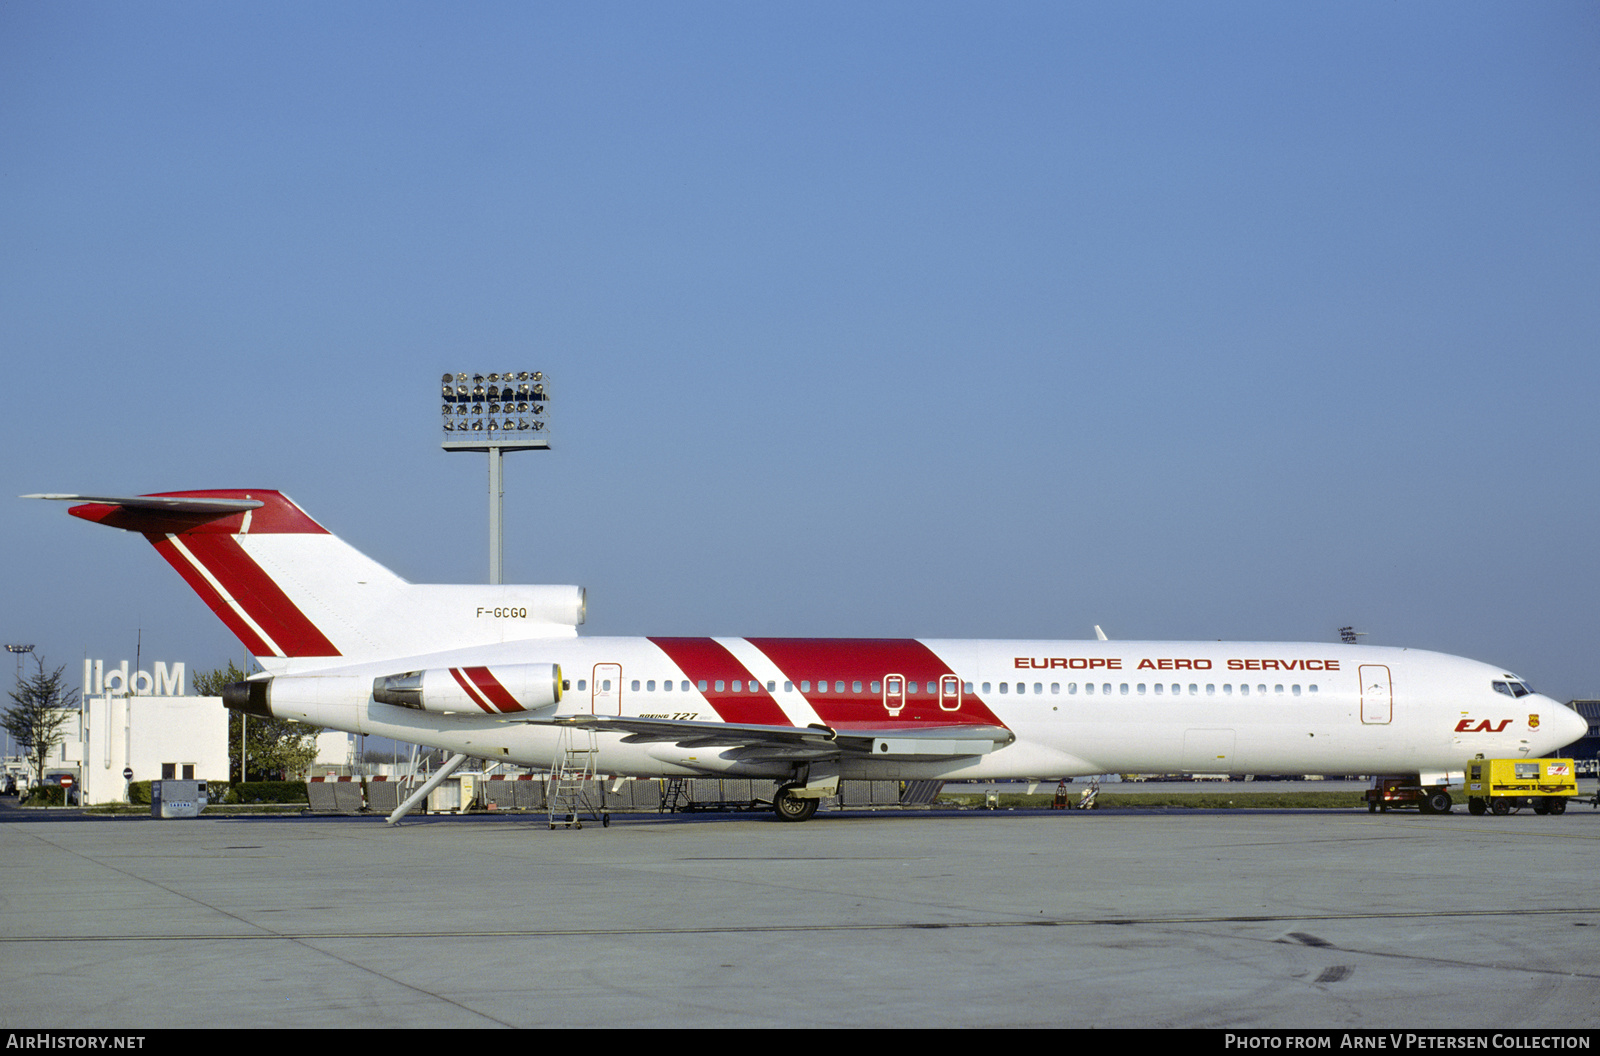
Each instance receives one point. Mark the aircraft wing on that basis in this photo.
(761, 743)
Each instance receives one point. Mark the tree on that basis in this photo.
(275, 749)
(39, 708)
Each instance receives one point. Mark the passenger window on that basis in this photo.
(635, 686)
(1244, 691)
(702, 685)
(1055, 687)
(583, 685)
(1038, 687)
(986, 686)
(1005, 687)
(1124, 689)
(605, 687)
(1088, 687)
(720, 684)
(650, 685)
(685, 686)
(877, 687)
(771, 687)
(1141, 689)
(1194, 690)
(788, 687)
(838, 687)
(1072, 688)
(1295, 690)
(967, 687)
(855, 687)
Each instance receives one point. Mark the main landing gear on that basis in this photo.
(790, 807)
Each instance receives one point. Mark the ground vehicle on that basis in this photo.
(1389, 792)
(1500, 786)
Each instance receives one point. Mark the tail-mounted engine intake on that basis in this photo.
(506, 689)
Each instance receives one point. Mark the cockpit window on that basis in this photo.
(1512, 688)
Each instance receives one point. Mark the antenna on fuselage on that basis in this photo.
(1098, 633)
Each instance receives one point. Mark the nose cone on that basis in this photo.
(1565, 725)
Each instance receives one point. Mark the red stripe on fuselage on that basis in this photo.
(826, 661)
(278, 617)
(706, 660)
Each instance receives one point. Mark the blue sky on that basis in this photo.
(1226, 320)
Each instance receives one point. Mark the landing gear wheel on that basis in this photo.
(790, 807)
(1499, 807)
(1437, 802)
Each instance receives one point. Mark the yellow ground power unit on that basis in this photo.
(1503, 786)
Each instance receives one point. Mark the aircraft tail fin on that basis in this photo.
(290, 589)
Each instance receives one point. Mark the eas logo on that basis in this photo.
(1486, 726)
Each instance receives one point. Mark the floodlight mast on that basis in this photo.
(495, 413)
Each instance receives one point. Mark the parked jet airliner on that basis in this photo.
(499, 673)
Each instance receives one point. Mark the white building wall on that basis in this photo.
(145, 733)
(333, 752)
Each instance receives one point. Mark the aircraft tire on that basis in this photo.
(790, 807)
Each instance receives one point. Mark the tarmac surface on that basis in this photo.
(1110, 918)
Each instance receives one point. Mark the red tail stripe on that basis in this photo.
(224, 612)
(703, 659)
(255, 593)
(258, 595)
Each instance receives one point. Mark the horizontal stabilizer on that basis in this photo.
(177, 504)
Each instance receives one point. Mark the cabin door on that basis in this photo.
(606, 690)
(1377, 694)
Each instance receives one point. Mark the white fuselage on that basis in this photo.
(1075, 707)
